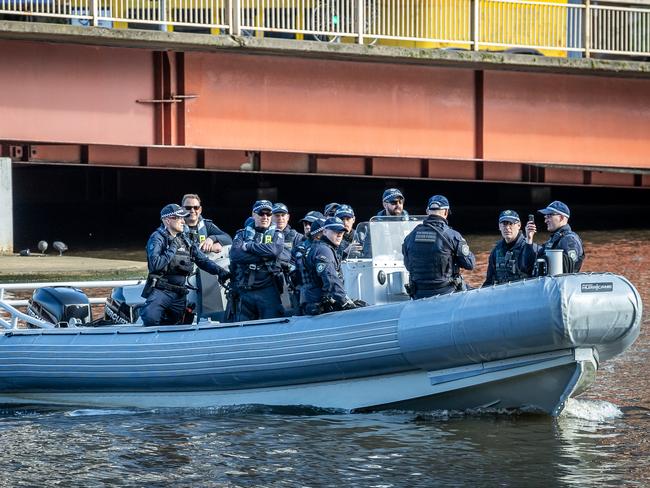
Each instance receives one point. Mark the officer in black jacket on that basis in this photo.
(171, 257)
(434, 253)
(507, 261)
(350, 246)
(324, 290)
(254, 259)
(210, 237)
(556, 218)
(292, 239)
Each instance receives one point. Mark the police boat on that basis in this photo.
(526, 345)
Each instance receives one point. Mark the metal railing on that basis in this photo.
(554, 27)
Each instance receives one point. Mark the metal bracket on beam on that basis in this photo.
(173, 99)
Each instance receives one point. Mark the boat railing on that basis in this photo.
(5, 287)
(16, 315)
(11, 316)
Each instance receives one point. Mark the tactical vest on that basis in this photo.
(569, 266)
(507, 263)
(261, 274)
(431, 258)
(181, 264)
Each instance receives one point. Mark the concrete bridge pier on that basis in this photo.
(6, 208)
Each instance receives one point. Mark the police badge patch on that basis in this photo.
(465, 250)
(320, 267)
(573, 255)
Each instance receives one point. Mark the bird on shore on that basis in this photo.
(42, 246)
(60, 246)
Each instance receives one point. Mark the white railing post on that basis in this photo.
(6, 203)
(586, 29)
(476, 24)
(234, 17)
(361, 14)
(95, 12)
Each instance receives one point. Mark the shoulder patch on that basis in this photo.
(573, 255)
(465, 250)
(320, 267)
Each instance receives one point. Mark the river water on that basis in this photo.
(602, 439)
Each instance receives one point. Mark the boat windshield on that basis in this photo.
(382, 237)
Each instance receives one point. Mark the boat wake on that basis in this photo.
(593, 410)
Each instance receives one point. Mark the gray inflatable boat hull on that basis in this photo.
(529, 344)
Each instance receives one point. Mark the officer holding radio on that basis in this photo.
(556, 218)
(171, 257)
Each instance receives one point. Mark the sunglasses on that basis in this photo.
(175, 217)
(396, 202)
(190, 207)
(264, 214)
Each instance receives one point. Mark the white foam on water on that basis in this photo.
(86, 412)
(593, 410)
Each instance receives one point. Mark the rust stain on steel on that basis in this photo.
(325, 106)
(562, 118)
(69, 93)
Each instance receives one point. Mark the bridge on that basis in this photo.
(428, 90)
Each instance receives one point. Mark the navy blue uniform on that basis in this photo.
(323, 278)
(433, 253)
(205, 228)
(172, 260)
(384, 213)
(567, 240)
(350, 246)
(507, 262)
(254, 259)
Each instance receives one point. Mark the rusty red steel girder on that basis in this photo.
(243, 112)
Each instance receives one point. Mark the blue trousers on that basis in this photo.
(264, 303)
(163, 307)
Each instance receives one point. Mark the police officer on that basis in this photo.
(324, 290)
(330, 209)
(393, 202)
(434, 253)
(556, 218)
(300, 254)
(308, 219)
(292, 239)
(171, 257)
(210, 237)
(291, 236)
(350, 246)
(507, 261)
(254, 258)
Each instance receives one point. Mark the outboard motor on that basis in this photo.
(60, 305)
(124, 304)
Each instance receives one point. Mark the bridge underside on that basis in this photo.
(227, 111)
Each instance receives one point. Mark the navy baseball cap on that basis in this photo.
(330, 209)
(392, 194)
(280, 208)
(509, 216)
(172, 210)
(344, 211)
(335, 224)
(312, 216)
(316, 227)
(556, 207)
(438, 202)
(260, 205)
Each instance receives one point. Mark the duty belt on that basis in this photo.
(163, 285)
